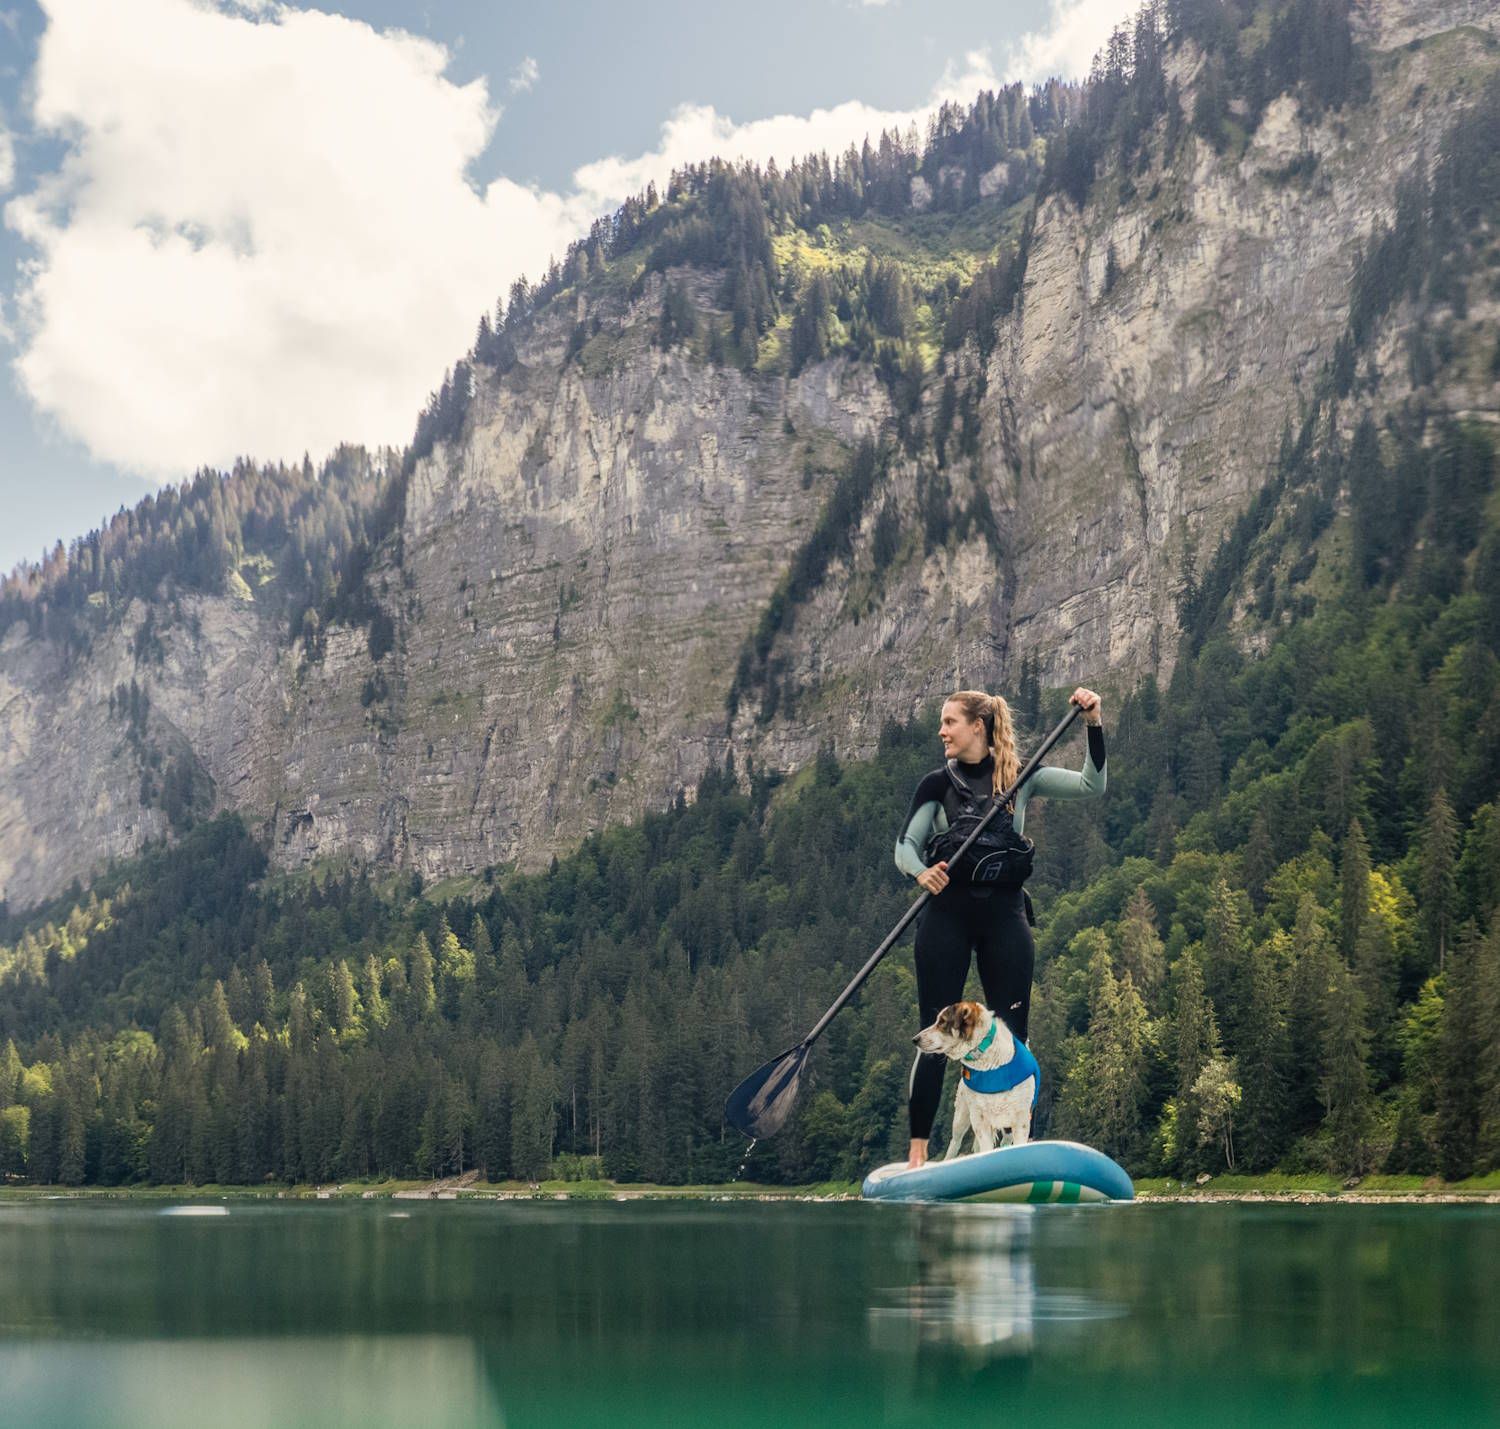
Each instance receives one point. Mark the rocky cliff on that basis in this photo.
(576, 576)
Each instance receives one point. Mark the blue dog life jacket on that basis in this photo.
(1008, 1074)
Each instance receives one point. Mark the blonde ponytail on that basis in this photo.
(1003, 745)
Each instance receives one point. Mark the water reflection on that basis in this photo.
(975, 1284)
(246, 1383)
(741, 1316)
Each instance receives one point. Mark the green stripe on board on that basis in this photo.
(1040, 1191)
(1069, 1193)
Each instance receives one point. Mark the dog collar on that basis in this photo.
(988, 1038)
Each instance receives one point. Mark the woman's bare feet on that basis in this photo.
(918, 1156)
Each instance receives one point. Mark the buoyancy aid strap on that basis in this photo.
(988, 1038)
(1012, 1074)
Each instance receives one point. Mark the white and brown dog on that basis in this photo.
(1000, 1076)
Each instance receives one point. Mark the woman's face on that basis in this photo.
(962, 737)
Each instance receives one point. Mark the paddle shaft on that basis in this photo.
(920, 902)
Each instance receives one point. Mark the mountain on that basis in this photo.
(772, 460)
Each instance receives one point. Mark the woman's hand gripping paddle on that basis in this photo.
(761, 1103)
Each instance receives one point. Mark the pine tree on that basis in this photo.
(533, 1112)
(15, 1139)
(808, 340)
(479, 938)
(1461, 1054)
(510, 988)
(219, 1029)
(1196, 1041)
(1478, 874)
(263, 997)
(1121, 1081)
(373, 998)
(1081, 1104)
(41, 1149)
(1487, 1062)
(455, 974)
(1140, 948)
(492, 1116)
(241, 1004)
(1262, 1063)
(1314, 965)
(1436, 878)
(1201, 767)
(1225, 966)
(422, 989)
(1354, 902)
(71, 1128)
(457, 1124)
(679, 321)
(10, 1074)
(1410, 1152)
(252, 1130)
(1346, 1092)
(299, 1022)
(343, 999)
(1161, 826)
(1259, 861)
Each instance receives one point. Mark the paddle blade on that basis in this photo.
(763, 1101)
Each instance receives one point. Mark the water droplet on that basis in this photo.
(743, 1163)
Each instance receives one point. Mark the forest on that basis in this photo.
(1273, 945)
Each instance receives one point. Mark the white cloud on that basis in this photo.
(7, 159)
(264, 238)
(526, 74)
(698, 131)
(1076, 30)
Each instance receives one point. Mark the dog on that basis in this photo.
(1000, 1076)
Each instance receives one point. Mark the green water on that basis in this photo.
(375, 1313)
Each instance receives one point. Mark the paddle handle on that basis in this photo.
(920, 901)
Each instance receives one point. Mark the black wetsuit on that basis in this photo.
(994, 926)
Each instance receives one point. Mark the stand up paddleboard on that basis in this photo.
(1039, 1173)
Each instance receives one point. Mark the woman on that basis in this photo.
(964, 916)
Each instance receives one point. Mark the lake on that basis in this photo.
(746, 1313)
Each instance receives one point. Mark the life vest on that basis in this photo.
(999, 857)
(1009, 1074)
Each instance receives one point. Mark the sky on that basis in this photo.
(244, 228)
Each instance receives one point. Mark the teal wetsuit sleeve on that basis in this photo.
(926, 809)
(1049, 783)
(914, 839)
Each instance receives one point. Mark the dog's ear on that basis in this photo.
(967, 1021)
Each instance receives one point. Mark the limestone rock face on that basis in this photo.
(1118, 426)
(576, 576)
(1386, 24)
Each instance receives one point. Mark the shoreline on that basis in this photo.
(1282, 1190)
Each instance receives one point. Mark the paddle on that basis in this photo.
(763, 1101)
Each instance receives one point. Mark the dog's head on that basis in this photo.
(957, 1029)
